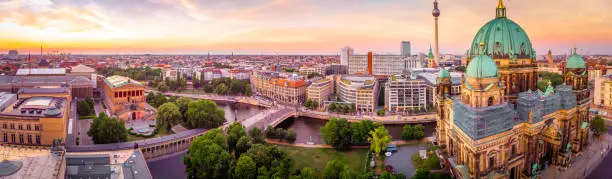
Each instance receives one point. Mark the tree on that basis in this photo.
(243, 144)
(206, 159)
(310, 104)
(598, 126)
(308, 173)
(234, 133)
(168, 115)
(419, 132)
(386, 175)
(379, 139)
(83, 108)
(380, 112)
(160, 99)
(221, 89)
(217, 136)
(408, 132)
(245, 168)
(151, 97)
(361, 131)
(163, 88)
(105, 130)
(421, 173)
(90, 102)
(183, 103)
(204, 114)
(266, 155)
(335, 169)
(256, 136)
(290, 136)
(336, 133)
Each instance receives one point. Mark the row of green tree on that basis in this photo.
(288, 135)
(224, 86)
(341, 134)
(142, 73)
(413, 132)
(311, 104)
(344, 108)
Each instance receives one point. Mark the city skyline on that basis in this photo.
(289, 27)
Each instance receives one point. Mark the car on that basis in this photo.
(391, 148)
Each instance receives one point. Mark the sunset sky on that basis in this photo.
(290, 26)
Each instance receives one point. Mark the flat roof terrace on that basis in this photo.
(37, 107)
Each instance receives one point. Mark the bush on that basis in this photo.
(290, 136)
(380, 112)
(416, 132)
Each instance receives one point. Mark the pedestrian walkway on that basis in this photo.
(585, 164)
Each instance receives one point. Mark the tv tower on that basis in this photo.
(436, 14)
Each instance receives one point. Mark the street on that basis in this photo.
(603, 170)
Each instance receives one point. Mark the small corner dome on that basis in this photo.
(482, 66)
(575, 61)
(443, 73)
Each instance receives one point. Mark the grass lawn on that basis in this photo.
(316, 158)
(136, 138)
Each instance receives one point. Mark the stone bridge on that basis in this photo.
(278, 114)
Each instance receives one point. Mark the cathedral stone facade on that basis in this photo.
(502, 126)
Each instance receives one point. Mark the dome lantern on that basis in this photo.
(500, 11)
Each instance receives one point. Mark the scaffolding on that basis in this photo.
(482, 122)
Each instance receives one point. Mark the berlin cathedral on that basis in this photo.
(501, 125)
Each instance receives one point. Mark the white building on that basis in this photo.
(345, 54)
(382, 64)
(170, 74)
(403, 93)
(319, 68)
(240, 74)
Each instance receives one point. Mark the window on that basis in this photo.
(12, 138)
(5, 136)
(36, 127)
(490, 102)
(4, 125)
(21, 138)
(116, 94)
(29, 127)
(29, 139)
(38, 139)
(492, 162)
(12, 126)
(513, 150)
(20, 127)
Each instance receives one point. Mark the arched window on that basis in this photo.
(490, 101)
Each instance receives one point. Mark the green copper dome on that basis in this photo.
(575, 61)
(481, 66)
(443, 73)
(502, 38)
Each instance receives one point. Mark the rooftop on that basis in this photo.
(40, 71)
(82, 69)
(36, 107)
(118, 81)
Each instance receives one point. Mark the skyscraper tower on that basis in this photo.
(436, 13)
